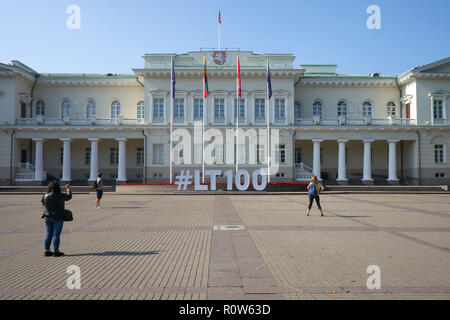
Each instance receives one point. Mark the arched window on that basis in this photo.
(317, 109)
(66, 108)
(390, 108)
(91, 109)
(40, 108)
(342, 108)
(115, 109)
(140, 109)
(367, 109)
(297, 110)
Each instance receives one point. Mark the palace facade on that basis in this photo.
(346, 128)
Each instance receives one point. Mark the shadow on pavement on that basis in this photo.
(115, 253)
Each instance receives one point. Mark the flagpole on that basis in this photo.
(171, 120)
(220, 25)
(237, 115)
(268, 126)
(205, 101)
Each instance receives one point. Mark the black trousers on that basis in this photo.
(311, 199)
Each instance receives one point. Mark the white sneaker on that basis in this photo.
(99, 207)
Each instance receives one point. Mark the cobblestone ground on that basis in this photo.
(166, 247)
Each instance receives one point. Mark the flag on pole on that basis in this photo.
(205, 79)
(269, 83)
(238, 77)
(173, 81)
(220, 20)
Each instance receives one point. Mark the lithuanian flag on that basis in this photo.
(205, 79)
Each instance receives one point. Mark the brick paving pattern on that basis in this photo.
(165, 247)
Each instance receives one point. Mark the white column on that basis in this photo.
(392, 170)
(316, 157)
(122, 167)
(66, 174)
(94, 158)
(367, 169)
(342, 165)
(39, 162)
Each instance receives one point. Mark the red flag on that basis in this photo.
(220, 20)
(238, 77)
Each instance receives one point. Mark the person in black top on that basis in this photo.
(53, 212)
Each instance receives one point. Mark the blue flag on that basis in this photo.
(173, 81)
(269, 83)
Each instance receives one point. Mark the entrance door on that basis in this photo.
(23, 110)
(408, 110)
(23, 156)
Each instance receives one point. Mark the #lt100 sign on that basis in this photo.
(241, 179)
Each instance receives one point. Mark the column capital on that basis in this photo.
(393, 140)
(368, 140)
(121, 139)
(342, 140)
(317, 140)
(94, 139)
(65, 139)
(38, 139)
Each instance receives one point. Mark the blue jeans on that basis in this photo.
(53, 229)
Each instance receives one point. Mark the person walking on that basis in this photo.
(99, 189)
(53, 212)
(314, 188)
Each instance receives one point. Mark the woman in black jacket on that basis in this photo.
(53, 202)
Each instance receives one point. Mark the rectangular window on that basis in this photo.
(260, 156)
(342, 111)
(440, 175)
(390, 111)
(158, 108)
(140, 156)
(114, 156)
(438, 110)
(140, 110)
(241, 108)
(219, 154)
(280, 112)
(87, 156)
(198, 109)
(178, 110)
(298, 155)
(178, 154)
(280, 153)
(367, 111)
(297, 111)
(158, 154)
(219, 108)
(260, 108)
(439, 153)
(198, 154)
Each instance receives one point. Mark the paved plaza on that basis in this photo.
(173, 247)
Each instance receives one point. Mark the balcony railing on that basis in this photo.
(66, 121)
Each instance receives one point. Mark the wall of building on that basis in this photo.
(103, 96)
(354, 97)
(424, 88)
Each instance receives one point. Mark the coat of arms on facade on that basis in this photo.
(219, 57)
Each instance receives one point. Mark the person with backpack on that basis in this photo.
(314, 188)
(98, 185)
(53, 212)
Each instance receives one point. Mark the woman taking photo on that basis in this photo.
(314, 188)
(53, 212)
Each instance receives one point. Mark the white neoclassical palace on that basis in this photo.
(346, 128)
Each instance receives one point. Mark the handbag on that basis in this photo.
(67, 215)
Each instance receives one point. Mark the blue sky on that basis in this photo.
(115, 34)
